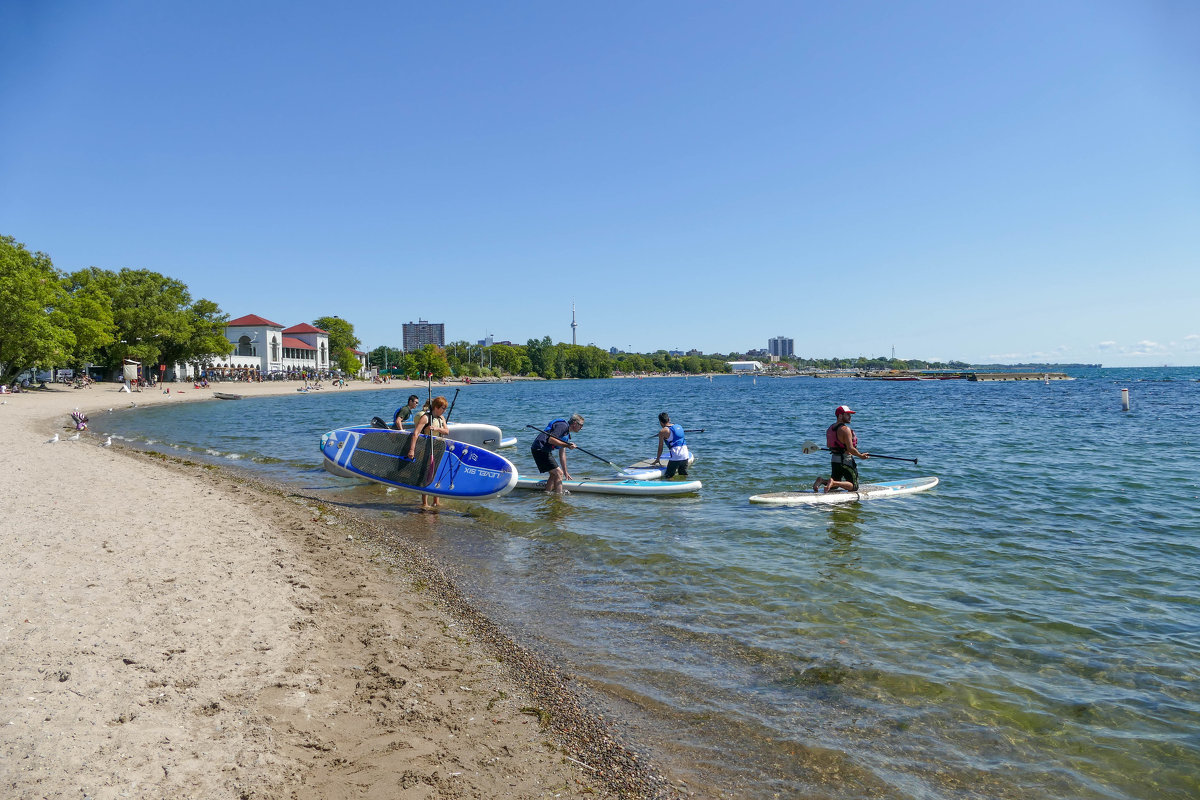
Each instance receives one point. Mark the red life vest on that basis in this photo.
(832, 441)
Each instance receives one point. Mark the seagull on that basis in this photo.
(52, 441)
(107, 442)
(132, 404)
(110, 409)
(74, 438)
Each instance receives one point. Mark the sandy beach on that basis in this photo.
(171, 630)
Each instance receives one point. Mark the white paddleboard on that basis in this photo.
(866, 491)
(647, 470)
(476, 433)
(625, 487)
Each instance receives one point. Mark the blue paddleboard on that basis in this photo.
(441, 467)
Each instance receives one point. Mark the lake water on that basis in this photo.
(1028, 628)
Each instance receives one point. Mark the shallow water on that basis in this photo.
(1029, 627)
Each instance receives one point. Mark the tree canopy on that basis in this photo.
(342, 342)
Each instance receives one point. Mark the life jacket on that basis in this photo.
(543, 439)
(832, 441)
(676, 438)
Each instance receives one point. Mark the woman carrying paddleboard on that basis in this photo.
(555, 436)
(843, 446)
(431, 423)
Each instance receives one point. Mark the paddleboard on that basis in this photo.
(453, 469)
(612, 486)
(508, 441)
(645, 470)
(476, 433)
(866, 491)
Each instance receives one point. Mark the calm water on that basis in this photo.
(1031, 627)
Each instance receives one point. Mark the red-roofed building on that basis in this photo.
(264, 347)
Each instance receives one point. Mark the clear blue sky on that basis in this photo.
(1000, 181)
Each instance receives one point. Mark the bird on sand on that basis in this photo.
(107, 442)
(53, 440)
(74, 438)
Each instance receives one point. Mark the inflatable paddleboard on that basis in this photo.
(442, 467)
(613, 486)
(645, 470)
(476, 433)
(866, 491)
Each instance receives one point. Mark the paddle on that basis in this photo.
(452, 402)
(621, 470)
(812, 447)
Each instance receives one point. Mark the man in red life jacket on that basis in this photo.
(843, 446)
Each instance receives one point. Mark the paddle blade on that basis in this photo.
(809, 447)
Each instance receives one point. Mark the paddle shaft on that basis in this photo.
(686, 430)
(876, 455)
(580, 449)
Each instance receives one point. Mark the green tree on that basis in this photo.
(430, 359)
(342, 342)
(35, 311)
(386, 357)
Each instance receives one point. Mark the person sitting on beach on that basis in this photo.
(432, 423)
(404, 413)
(555, 436)
(677, 449)
(843, 446)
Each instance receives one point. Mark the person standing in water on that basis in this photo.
(843, 447)
(431, 423)
(555, 436)
(404, 413)
(678, 455)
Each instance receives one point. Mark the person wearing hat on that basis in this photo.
(843, 446)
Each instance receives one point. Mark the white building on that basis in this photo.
(745, 366)
(264, 347)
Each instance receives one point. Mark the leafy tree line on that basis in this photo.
(49, 318)
(537, 357)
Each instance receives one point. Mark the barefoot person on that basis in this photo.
(843, 446)
(555, 436)
(677, 449)
(431, 423)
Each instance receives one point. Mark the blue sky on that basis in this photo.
(1004, 181)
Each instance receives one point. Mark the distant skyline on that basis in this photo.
(989, 183)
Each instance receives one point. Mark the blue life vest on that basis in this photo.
(675, 439)
(543, 439)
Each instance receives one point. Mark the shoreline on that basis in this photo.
(174, 628)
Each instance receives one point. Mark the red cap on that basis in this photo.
(842, 410)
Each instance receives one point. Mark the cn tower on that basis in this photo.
(574, 324)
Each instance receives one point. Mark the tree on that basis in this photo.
(342, 342)
(385, 357)
(35, 311)
(430, 359)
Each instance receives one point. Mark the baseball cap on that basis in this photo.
(842, 410)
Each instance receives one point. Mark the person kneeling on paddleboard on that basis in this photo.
(843, 446)
(555, 436)
(677, 449)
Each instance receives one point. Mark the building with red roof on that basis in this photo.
(264, 347)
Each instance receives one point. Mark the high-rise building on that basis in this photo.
(420, 333)
(781, 346)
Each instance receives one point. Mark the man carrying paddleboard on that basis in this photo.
(555, 436)
(677, 449)
(843, 446)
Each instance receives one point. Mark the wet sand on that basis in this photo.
(173, 630)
